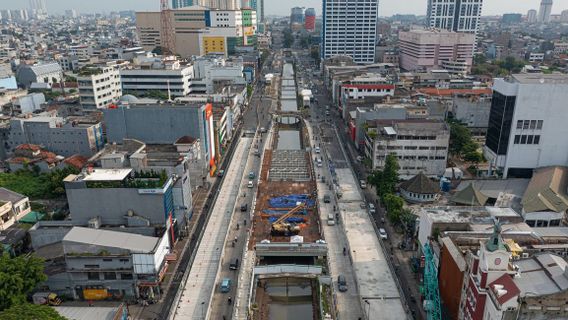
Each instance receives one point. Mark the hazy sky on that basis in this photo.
(282, 7)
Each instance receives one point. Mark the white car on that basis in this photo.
(383, 234)
(317, 149)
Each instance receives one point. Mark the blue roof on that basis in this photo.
(9, 83)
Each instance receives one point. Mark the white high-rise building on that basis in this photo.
(532, 16)
(350, 28)
(38, 6)
(455, 15)
(545, 10)
(99, 85)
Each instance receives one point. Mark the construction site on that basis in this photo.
(286, 233)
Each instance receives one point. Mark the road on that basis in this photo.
(258, 117)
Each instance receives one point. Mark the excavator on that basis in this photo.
(281, 227)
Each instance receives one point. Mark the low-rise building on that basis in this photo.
(420, 145)
(13, 207)
(473, 111)
(211, 74)
(115, 197)
(99, 85)
(48, 73)
(545, 201)
(61, 136)
(419, 189)
(30, 156)
(102, 264)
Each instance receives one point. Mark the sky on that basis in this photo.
(282, 7)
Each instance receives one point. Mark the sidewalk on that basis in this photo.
(348, 305)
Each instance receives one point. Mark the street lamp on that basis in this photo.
(202, 309)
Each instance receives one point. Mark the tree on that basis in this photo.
(30, 311)
(288, 38)
(479, 59)
(393, 204)
(385, 180)
(18, 277)
(459, 137)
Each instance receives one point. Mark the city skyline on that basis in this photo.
(274, 7)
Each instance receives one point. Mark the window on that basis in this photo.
(92, 266)
(93, 276)
(126, 276)
(539, 124)
(526, 124)
(519, 124)
(523, 139)
(107, 260)
(533, 124)
(110, 276)
(530, 139)
(517, 139)
(536, 139)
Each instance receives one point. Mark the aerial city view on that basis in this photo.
(283, 160)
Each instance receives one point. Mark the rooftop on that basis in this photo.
(541, 274)
(106, 175)
(133, 242)
(10, 196)
(547, 190)
(529, 78)
(476, 215)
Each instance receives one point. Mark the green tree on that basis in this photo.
(30, 311)
(459, 137)
(479, 59)
(18, 277)
(394, 205)
(385, 180)
(288, 38)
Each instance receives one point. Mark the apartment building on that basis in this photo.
(99, 85)
(455, 15)
(344, 18)
(527, 123)
(13, 207)
(212, 74)
(436, 49)
(367, 86)
(228, 30)
(167, 76)
(420, 145)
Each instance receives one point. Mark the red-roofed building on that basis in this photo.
(76, 161)
(29, 155)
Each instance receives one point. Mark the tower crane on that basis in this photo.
(167, 30)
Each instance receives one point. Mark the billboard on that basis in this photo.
(210, 130)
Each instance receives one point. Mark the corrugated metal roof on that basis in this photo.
(546, 190)
(134, 242)
(87, 313)
(46, 68)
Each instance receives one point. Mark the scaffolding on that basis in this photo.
(432, 302)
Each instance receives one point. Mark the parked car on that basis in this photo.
(317, 149)
(341, 283)
(372, 208)
(363, 184)
(234, 265)
(383, 234)
(225, 285)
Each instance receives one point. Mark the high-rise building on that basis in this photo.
(545, 10)
(532, 16)
(182, 3)
(455, 15)
(527, 124)
(350, 28)
(297, 15)
(99, 85)
(436, 49)
(510, 18)
(564, 16)
(38, 6)
(310, 20)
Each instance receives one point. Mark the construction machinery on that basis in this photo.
(47, 298)
(167, 30)
(281, 227)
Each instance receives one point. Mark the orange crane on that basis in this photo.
(167, 33)
(281, 227)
